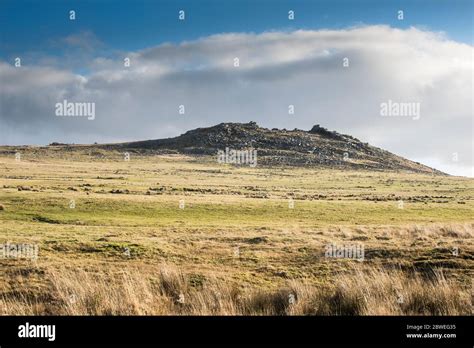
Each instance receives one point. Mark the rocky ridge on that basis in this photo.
(317, 147)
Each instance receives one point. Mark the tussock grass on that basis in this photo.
(240, 249)
(358, 291)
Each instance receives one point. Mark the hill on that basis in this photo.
(316, 147)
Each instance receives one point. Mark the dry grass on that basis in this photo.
(239, 247)
(358, 291)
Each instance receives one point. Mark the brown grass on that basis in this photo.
(359, 291)
(239, 247)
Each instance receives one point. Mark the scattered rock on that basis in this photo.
(119, 191)
(256, 240)
(24, 188)
(317, 147)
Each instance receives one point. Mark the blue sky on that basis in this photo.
(282, 62)
(36, 26)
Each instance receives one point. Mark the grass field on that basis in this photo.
(170, 234)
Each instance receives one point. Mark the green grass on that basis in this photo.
(212, 211)
(227, 208)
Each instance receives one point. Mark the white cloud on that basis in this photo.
(85, 40)
(303, 68)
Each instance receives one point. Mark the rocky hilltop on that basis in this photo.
(316, 147)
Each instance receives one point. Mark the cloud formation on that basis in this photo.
(276, 69)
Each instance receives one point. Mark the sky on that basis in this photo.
(426, 58)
